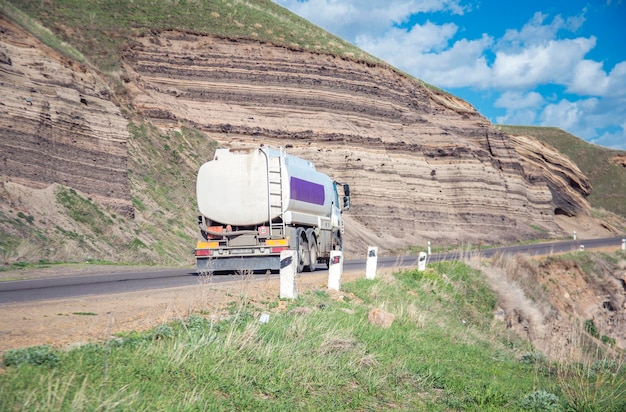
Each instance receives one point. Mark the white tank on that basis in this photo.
(234, 187)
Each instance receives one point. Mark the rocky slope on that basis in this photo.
(422, 164)
(58, 123)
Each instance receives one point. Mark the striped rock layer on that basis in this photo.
(58, 123)
(422, 165)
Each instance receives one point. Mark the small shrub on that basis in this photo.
(604, 366)
(197, 324)
(591, 329)
(162, 332)
(607, 340)
(541, 401)
(27, 218)
(34, 355)
(533, 358)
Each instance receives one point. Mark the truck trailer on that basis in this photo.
(256, 203)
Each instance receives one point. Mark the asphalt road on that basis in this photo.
(67, 287)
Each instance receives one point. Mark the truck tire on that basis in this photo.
(313, 251)
(302, 250)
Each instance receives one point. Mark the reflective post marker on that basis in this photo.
(372, 261)
(421, 262)
(288, 274)
(335, 269)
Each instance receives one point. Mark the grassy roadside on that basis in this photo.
(444, 351)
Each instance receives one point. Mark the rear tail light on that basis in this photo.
(279, 249)
(202, 252)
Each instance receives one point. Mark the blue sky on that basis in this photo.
(545, 63)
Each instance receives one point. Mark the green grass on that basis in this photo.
(607, 179)
(84, 211)
(443, 352)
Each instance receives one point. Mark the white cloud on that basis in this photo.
(536, 32)
(521, 107)
(565, 114)
(463, 65)
(396, 43)
(519, 100)
(550, 62)
(518, 117)
(588, 79)
(350, 19)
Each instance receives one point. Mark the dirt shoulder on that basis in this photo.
(70, 322)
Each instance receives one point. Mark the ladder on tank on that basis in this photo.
(275, 193)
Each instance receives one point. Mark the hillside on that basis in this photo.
(105, 125)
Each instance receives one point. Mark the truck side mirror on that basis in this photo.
(346, 196)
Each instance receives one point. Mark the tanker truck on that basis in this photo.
(256, 203)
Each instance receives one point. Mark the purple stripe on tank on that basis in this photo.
(306, 191)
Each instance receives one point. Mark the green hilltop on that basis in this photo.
(99, 29)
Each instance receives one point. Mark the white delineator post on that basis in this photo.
(429, 248)
(335, 269)
(623, 244)
(421, 261)
(288, 273)
(372, 261)
(574, 235)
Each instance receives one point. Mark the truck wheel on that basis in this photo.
(312, 251)
(303, 249)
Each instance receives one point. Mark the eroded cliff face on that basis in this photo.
(58, 123)
(568, 185)
(422, 165)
